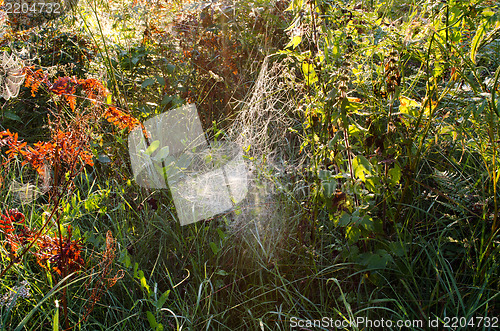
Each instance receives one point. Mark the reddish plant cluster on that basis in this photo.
(62, 254)
(14, 238)
(121, 119)
(65, 253)
(66, 86)
(71, 146)
(65, 147)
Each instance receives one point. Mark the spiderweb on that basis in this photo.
(264, 121)
(262, 130)
(11, 75)
(171, 151)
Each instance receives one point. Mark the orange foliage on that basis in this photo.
(70, 146)
(65, 253)
(120, 119)
(7, 220)
(66, 87)
(50, 251)
(93, 88)
(11, 140)
(34, 79)
(66, 147)
(14, 238)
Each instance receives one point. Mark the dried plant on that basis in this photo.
(15, 236)
(63, 256)
(103, 280)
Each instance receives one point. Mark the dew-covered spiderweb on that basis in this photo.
(263, 130)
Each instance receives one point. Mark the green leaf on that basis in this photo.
(170, 68)
(11, 116)
(372, 184)
(153, 147)
(397, 248)
(214, 247)
(160, 80)
(162, 154)
(324, 174)
(294, 42)
(408, 106)
(136, 267)
(352, 105)
(221, 272)
(295, 5)
(163, 298)
(362, 167)
(166, 99)
(377, 260)
(125, 259)
(366, 222)
(152, 320)
(336, 51)
(147, 82)
(329, 187)
(395, 174)
(353, 233)
(55, 320)
(144, 283)
(344, 219)
(103, 158)
(309, 73)
(221, 234)
(476, 41)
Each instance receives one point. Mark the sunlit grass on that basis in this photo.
(358, 207)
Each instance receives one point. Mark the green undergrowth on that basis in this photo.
(382, 206)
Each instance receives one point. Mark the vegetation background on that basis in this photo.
(371, 134)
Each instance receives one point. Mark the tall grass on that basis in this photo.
(371, 141)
